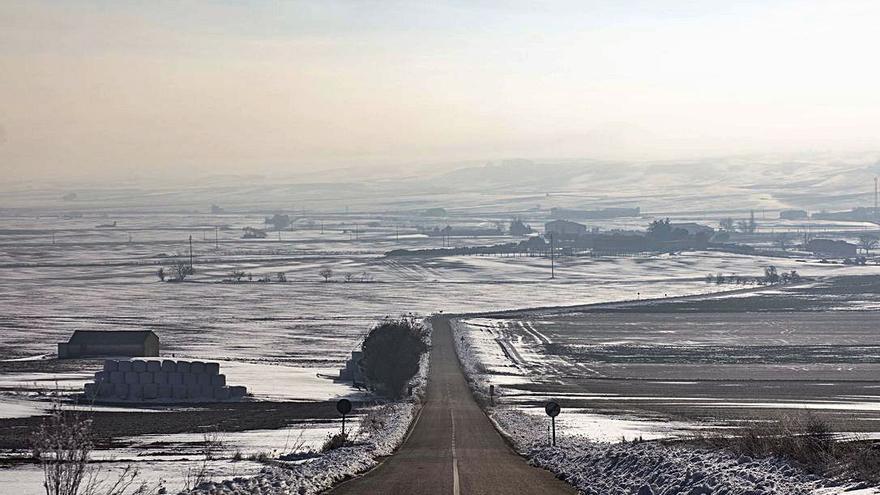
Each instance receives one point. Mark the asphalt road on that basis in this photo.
(453, 448)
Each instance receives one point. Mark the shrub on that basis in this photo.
(392, 352)
(805, 439)
(335, 441)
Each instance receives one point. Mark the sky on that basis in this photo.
(105, 89)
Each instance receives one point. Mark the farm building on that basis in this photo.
(94, 343)
(564, 227)
(693, 228)
(793, 215)
(832, 248)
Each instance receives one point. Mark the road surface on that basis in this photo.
(453, 448)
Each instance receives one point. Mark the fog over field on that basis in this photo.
(559, 247)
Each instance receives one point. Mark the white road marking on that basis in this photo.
(455, 484)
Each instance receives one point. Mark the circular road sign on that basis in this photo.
(343, 406)
(552, 409)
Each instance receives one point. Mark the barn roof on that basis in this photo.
(117, 337)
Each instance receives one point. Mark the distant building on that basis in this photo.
(832, 249)
(279, 221)
(564, 227)
(534, 244)
(94, 343)
(619, 244)
(859, 214)
(252, 233)
(793, 215)
(518, 228)
(693, 228)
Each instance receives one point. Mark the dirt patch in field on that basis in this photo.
(110, 427)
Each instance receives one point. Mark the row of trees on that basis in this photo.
(180, 270)
(771, 276)
(748, 226)
(238, 276)
(349, 277)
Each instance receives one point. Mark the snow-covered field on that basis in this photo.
(61, 274)
(590, 455)
(651, 374)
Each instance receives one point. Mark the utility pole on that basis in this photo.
(53, 237)
(190, 253)
(217, 238)
(552, 258)
(397, 233)
(322, 227)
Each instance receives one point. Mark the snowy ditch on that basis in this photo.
(379, 434)
(591, 456)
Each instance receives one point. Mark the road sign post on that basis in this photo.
(552, 409)
(344, 407)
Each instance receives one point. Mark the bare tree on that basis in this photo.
(281, 277)
(868, 242)
(327, 273)
(748, 226)
(727, 224)
(161, 274)
(348, 277)
(181, 270)
(63, 445)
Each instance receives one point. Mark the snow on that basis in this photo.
(605, 428)
(608, 469)
(318, 474)
(268, 381)
(276, 338)
(626, 468)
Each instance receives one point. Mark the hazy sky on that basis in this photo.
(107, 88)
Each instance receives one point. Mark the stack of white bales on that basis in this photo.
(165, 380)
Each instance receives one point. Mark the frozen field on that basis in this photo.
(655, 370)
(96, 279)
(277, 338)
